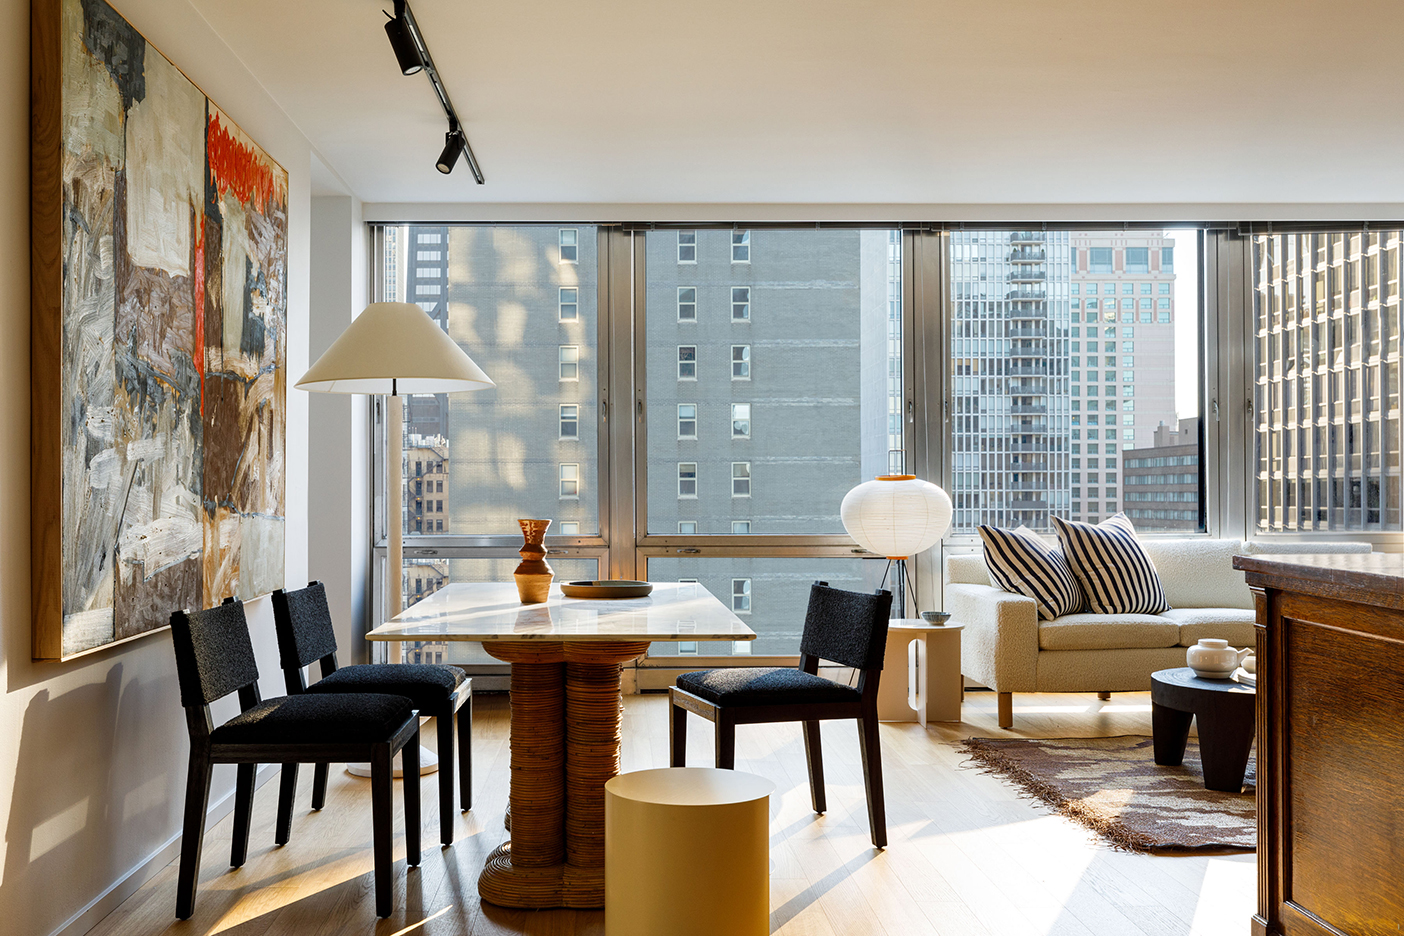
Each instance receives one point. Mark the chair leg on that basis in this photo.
(443, 727)
(409, 762)
(465, 753)
(677, 736)
(243, 814)
(816, 767)
(319, 786)
(287, 789)
(726, 742)
(1104, 696)
(1006, 710)
(197, 804)
(382, 832)
(868, 741)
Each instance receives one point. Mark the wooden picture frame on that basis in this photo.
(158, 281)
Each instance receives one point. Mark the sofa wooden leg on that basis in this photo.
(1006, 710)
(1104, 696)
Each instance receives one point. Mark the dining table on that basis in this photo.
(566, 656)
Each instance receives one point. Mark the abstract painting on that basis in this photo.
(159, 276)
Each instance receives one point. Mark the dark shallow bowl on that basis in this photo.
(936, 617)
(606, 589)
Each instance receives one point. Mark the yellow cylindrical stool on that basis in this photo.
(687, 853)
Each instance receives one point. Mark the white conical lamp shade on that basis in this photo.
(394, 347)
(896, 515)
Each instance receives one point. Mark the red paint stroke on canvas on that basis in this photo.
(239, 169)
(199, 306)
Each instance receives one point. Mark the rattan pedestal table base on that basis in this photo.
(566, 656)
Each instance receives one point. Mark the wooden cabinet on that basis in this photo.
(1330, 643)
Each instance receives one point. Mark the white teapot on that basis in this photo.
(1213, 658)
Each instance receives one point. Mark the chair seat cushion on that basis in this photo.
(765, 685)
(1232, 624)
(340, 718)
(1108, 632)
(425, 684)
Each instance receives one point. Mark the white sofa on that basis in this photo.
(1007, 648)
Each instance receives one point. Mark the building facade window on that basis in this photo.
(569, 358)
(687, 528)
(570, 245)
(741, 595)
(687, 362)
(687, 420)
(740, 246)
(687, 303)
(569, 304)
(570, 422)
(740, 303)
(570, 528)
(570, 481)
(687, 479)
(740, 420)
(1326, 400)
(740, 527)
(1099, 260)
(740, 479)
(1137, 260)
(741, 362)
(687, 246)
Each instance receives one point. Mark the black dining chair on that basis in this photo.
(305, 634)
(214, 657)
(844, 627)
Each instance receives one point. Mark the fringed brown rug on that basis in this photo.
(1114, 787)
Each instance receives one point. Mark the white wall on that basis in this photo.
(93, 752)
(338, 466)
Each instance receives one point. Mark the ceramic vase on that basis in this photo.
(533, 575)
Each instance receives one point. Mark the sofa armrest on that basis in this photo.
(999, 646)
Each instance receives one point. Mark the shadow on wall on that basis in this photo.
(71, 833)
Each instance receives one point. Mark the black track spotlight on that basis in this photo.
(403, 42)
(413, 54)
(454, 143)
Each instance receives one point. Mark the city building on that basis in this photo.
(426, 472)
(1161, 483)
(1122, 360)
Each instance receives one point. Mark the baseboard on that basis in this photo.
(131, 882)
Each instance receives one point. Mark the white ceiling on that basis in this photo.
(924, 102)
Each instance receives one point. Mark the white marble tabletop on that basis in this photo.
(489, 611)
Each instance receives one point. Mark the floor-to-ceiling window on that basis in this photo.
(692, 402)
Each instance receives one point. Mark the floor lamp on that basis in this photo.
(394, 348)
(896, 516)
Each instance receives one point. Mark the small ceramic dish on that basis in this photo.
(936, 617)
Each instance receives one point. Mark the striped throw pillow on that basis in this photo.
(1114, 571)
(1022, 563)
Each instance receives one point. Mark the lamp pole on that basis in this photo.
(394, 511)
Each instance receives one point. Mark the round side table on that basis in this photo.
(687, 853)
(1227, 714)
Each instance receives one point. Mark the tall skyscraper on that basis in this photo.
(1122, 360)
(1009, 348)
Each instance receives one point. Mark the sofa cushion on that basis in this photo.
(1116, 575)
(967, 570)
(1232, 624)
(1199, 573)
(1108, 632)
(1022, 563)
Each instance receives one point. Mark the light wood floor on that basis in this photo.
(967, 856)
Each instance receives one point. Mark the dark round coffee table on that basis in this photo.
(1226, 712)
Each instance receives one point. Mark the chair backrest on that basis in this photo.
(844, 627)
(214, 655)
(304, 624)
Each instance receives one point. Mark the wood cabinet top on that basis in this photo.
(1367, 578)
